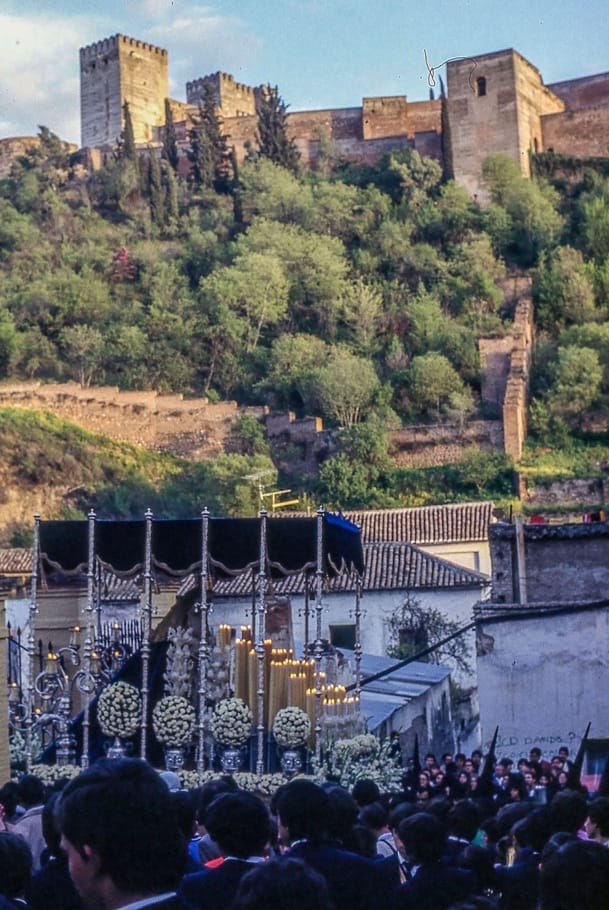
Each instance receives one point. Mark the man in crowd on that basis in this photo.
(121, 836)
(240, 825)
(596, 825)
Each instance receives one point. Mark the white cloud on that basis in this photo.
(39, 75)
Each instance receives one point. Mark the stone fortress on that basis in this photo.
(496, 102)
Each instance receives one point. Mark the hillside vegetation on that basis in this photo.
(356, 293)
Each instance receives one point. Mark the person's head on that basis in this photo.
(9, 799)
(30, 791)
(209, 791)
(303, 811)
(423, 837)
(563, 753)
(576, 877)
(533, 830)
(464, 819)
(596, 824)
(343, 813)
(289, 884)
(568, 811)
(15, 865)
(120, 832)
(50, 824)
(375, 817)
(535, 754)
(239, 823)
(365, 791)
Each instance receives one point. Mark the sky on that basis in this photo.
(319, 53)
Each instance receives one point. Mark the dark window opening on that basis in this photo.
(481, 86)
(343, 636)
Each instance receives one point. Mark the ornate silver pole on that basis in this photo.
(146, 628)
(260, 628)
(358, 640)
(203, 644)
(29, 718)
(319, 579)
(88, 686)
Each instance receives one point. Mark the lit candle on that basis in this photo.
(74, 636)
(52, 666)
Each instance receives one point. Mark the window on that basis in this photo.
(343, 636)
(481, 86)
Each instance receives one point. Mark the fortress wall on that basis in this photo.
(533, 100)
(233, 98)
(192, 428)
(481, 124)
(582, 133)
(144, 78)
(587, 91)
(10, 149)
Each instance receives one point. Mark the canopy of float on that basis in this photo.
(233, 545)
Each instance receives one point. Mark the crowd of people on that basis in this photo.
(465, 833)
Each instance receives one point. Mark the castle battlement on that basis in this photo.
(111, 44)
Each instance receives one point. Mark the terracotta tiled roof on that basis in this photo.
(389, 567)
(451, 523)
(15, 561)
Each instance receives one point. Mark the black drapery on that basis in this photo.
(176, 544)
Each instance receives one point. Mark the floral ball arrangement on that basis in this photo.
(291, 727)
(119, 710)
(231, 722)
(173, 720)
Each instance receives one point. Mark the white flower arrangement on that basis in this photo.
(50, 774)
(173, 720)
(361, 757)
(231, 722)
(291, 727)
(119, 709)
(265, 784)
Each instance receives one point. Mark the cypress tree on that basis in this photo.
(155, 188)
(128, 150)
(209, 153)
(273, 139)
(447, 152)
(170, 146)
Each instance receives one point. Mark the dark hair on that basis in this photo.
(362, 841)
(31, 791)
(239, 823)
(568, 811)
(576, 877)
(401, 811)
(423, 836)
(15, 865)
(9, 798)
(123, 810)
(304, 809)
(50, 824)
(374, 816)
(287, 883)
(209, 791)
(464, 819)
(185, 808)
(598, 813)
(343, 814)
(365, 791)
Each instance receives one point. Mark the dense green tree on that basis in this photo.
(563, 292)
(432, 380)
(83, 346)
(531, 221)
(170, 145)
(274, 141)
(345, 386)
(209, 152)
(577, 379)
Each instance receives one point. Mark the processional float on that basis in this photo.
(206, 548)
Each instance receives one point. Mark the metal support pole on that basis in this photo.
(29, 716)
(203, 645)
(260, 629)
(319, 579)
(358, 639)
(146, 629)
(88, 645)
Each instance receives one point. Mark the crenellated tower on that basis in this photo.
(116, 70)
